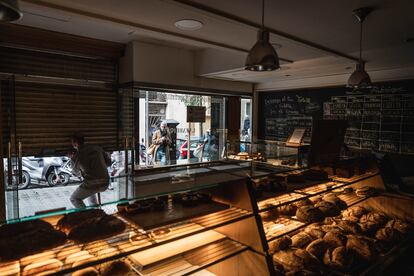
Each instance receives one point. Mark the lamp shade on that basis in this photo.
(359, 78)
(262, 57)
(9, 10)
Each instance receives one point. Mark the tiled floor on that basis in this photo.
(41, 199)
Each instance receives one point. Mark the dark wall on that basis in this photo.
(380, 118)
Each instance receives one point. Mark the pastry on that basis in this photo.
(160, 233)
(366, 191)
(280, 244)
(332, 198)
(317, 248)
(313, 174)
(335, 238)
(374, 217)
(84, 260)
(287, 210)
(363, 247)
(70, 221)
(116, 268)
(400, 226)
(294, 259)
(338, 258)
(330, 227)
(354, 211)
(301, 240)
(89, 271)
(309, 214)
(10, 268)
(43, 267)
(37, 258)
(328, 208)
(97, 228)
(72, 258)
(330, 221)
(315, 231)
(350, 227)
(303, 202)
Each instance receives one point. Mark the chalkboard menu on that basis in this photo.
(380, 119)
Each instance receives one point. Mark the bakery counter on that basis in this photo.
(132, 243)
(337, 230)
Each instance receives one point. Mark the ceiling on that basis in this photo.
(326, 23)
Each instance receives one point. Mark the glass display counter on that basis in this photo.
(218, 218)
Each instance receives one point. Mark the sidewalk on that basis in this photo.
(41, 199)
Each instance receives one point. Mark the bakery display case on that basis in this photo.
(195, 219)
(221, 218)
(274, 153)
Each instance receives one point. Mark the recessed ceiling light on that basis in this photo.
(188, 24)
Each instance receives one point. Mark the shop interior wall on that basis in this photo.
(380, 118)
(163, 65)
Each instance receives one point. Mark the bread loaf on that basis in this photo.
(270, 215)
(301, 240)
(335, 238)
(317, 248)
(328, 208)
(350, 227)
(72, 258)
(10, 268)
(400, 226)
(354, 211)
(280, 244)
(315, 231)
(309, 214)
(287, 210)
(72, 220)
(332, 198)
(338, 258)
(388, 235)
(43, 267)
(98, 228)
(369, 228)
(303, 202)
(374, 217)
(363, 247)
(294, 259)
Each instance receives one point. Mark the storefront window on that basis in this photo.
(186, 142)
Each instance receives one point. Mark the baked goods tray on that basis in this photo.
(130, 241)
(288, 225)
(197, 260)
(173, 213)
(285, 198)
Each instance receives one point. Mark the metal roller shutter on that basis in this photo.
(47, 115)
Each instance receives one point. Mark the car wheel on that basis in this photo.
(53, 179)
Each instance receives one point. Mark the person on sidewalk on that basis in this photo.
(161, 141)
(90, 162)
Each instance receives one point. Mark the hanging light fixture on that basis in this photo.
(360, 78)
(9, 10)
(262, 57)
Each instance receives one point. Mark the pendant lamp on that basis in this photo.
(262, 57)
(9, 11)
(360, 78)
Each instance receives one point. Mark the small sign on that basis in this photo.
(196, 114)
(296, 138)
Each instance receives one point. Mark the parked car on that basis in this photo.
(182, 146)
